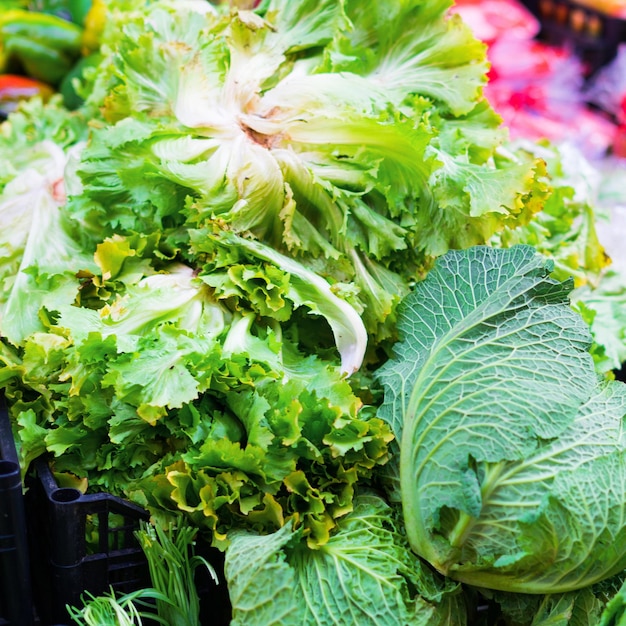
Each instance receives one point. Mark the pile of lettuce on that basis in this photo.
(351, 138)
(260, 277)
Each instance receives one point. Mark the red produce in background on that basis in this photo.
(536, 88)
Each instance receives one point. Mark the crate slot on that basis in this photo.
(16, 606)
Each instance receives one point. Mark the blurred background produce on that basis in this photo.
(44, 46)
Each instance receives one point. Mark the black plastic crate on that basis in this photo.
(86, 542)
(80, 543)
(16, 605)
(591, 34)
(56, 543)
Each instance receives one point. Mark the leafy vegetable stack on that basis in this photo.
(352, 139)
(202, 272)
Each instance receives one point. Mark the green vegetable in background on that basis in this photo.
(604, 309)
(45, 45)
(72, 10)
(566, 229)
(79, 10)
(512, 459)
(566, 232)
(70, 86)
(38, 255)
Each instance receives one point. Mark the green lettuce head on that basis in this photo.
(351, 137)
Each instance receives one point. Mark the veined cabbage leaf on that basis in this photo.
(364, 575)
(602, 604)
(512, 457)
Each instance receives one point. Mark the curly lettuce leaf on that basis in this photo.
(336, 136)
(152, 388)
(416, 52)
(565, 230)
(306, 288)
(39, 255)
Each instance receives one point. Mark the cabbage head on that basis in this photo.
(511, 469)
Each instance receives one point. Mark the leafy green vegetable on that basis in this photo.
(172, 561)
(329, 134)
(599, 604)
(226, 244)
(302, 287)
(615, 611)
(155, 390)
(603, 307)
(580, 608)
(365, 574)
(566, 231)
(255, 194)
(512, 458)
(38, 254)
(173, 598)
(109, 610)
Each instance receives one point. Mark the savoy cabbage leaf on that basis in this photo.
(365, 574)
(512, 457)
